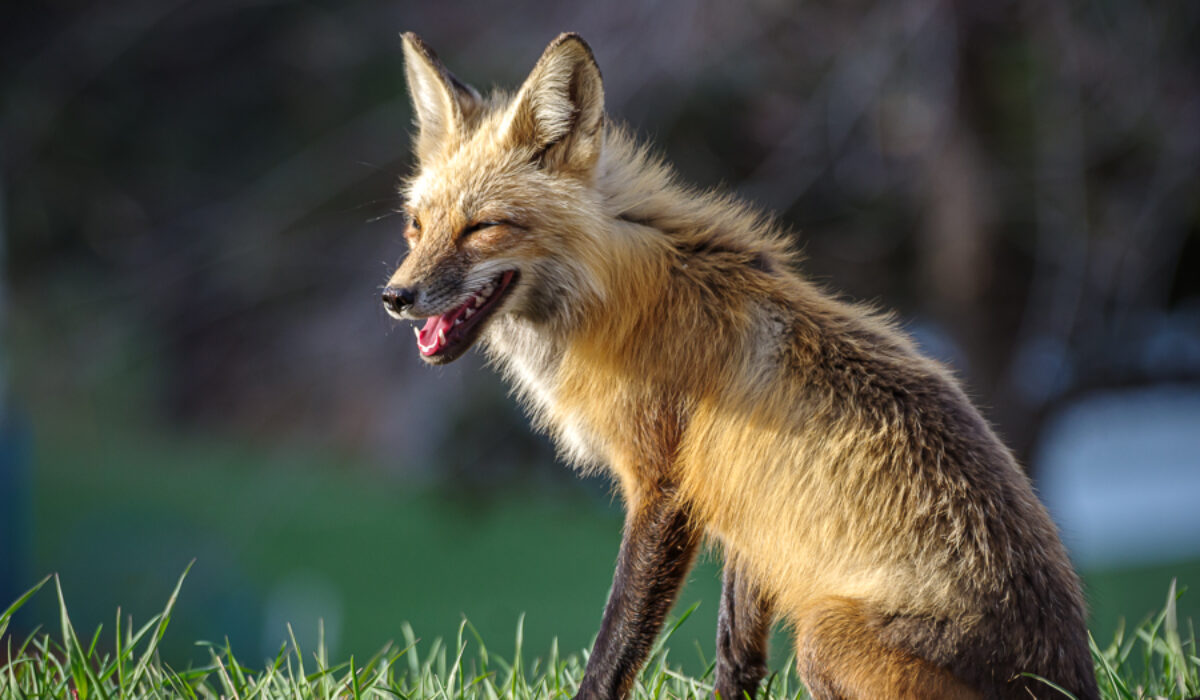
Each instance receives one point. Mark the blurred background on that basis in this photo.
(197, 211)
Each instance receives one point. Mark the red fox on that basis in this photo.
(664, 336)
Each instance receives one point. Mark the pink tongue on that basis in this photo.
(428, 342)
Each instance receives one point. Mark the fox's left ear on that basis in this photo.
(559, 112)
(441, 102)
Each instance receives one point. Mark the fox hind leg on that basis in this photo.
(841, 656)
(743, 627)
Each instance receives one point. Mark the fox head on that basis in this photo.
(502, 204)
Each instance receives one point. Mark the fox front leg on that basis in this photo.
(656, 553)
(742, 630)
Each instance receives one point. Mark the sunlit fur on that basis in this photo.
(664, 335)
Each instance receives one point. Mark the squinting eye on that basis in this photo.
(415, 223)
(480, 226)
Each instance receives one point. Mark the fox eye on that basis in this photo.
(413, 233)
(479, 226)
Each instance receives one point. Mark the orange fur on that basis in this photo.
(663, 335)
(834, 639)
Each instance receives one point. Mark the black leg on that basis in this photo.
(742, 630)
(656, 553)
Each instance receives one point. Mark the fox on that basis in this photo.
(666, 337)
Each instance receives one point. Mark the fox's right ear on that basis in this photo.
(441, 103)
(558, 114)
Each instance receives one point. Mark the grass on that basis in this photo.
(1156, 659)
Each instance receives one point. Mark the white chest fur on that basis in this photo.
(530, 362)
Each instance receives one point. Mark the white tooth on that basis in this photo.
(479, 302)
(417, 332)
(468, 312)
(442, 337)
(458, 320)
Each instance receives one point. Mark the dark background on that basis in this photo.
(197, 210)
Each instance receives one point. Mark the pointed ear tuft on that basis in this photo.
(559, 112)
(441, 103)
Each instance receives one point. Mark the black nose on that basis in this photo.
(397, 300)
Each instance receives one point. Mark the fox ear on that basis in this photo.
(441, 103)
(559, 112)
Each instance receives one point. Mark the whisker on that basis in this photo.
(384, 216)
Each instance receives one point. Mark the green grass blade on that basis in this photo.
(19, 603)
(1111, 674)
(160, 629)
(296, 646)
(226, 681)
(1176, 660)
(665, 637)
(1051, 684)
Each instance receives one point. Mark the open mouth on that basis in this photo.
(445, 337)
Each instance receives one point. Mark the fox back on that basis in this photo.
(664, 336)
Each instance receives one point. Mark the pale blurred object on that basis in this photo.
(1121, 476)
